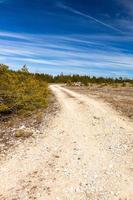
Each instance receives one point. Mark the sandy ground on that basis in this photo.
(85, 153)
(120, 98)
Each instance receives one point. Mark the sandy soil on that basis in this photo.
(120, 98)
(32, 121)
(85, 153)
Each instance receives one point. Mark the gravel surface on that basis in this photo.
(85, 153)
(120, 98)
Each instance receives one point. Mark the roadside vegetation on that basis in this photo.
(21, 91)
(25, 95)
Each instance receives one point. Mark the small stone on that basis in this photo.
(56, 156)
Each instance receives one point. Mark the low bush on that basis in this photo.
(21, 91)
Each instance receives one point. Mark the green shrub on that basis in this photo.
(21, 91)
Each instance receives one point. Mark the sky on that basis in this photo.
(93, 37)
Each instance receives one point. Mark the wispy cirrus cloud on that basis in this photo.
(87, 16)
(84, 54)
(126, 20)
(13, 35)
(127, 5)
(68, 39)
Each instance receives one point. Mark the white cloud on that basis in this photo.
(126, 20)
(70, 9)
(79, 53)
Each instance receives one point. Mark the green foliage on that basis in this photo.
(69, 83)
(21, 91)
(3, 68)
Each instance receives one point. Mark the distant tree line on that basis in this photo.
(85, 80)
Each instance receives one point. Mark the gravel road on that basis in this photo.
(85, 153)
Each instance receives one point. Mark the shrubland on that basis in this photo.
(21, 91)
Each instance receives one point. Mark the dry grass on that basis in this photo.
(23, 133)
(121, 98)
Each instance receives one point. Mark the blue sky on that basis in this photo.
(93, 37)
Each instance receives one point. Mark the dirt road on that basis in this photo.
(85, 153)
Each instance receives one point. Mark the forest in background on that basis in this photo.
(83, 79)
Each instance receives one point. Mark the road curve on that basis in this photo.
(84, 154)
